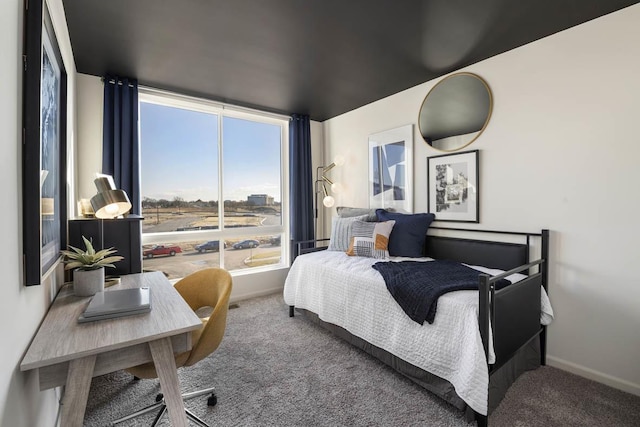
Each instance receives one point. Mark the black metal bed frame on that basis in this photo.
(512, 313)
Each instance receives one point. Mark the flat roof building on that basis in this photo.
(260, 200)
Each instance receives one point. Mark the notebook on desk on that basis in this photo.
(117, 303)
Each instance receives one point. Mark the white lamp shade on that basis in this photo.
(336, 187)
(328, 201)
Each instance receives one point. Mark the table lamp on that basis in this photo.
(109, 202)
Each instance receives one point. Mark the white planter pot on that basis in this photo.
(88, 282)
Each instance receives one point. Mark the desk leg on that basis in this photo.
(76, 392)
(162, 353)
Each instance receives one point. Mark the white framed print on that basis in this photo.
(454, 194)
(391, 169)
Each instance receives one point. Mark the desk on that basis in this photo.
(68, 353)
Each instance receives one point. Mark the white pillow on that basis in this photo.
(341, 232)
(347, 212)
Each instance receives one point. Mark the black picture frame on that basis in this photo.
(44, 118)
(453, 182)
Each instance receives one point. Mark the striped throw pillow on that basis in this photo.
(370, 239)
(341, 231)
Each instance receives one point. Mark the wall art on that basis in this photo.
(391, 169)
(454, 194)
(44, 146)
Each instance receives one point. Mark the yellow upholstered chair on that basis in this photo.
(210, 287)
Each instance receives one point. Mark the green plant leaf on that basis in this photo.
(89, 246)
(76, 250)
(104, 252)
(111, 259)
(89, 259)
(109, 265)
(72, 265)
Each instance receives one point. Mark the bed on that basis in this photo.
(479, 341)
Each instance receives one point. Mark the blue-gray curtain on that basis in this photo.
(120, 148)
(301, 181)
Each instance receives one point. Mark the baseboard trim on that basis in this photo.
(254, 294)
(261, 283)
(594, 375)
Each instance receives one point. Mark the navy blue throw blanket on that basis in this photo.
(416, 286)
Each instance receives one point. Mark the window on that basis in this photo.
(213, 186)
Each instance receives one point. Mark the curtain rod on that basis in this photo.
(112, 81)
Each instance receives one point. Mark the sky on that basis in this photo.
(179, 155)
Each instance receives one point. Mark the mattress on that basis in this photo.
(347, 292)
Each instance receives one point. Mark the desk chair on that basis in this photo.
(210, 287)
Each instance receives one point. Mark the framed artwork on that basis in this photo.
(44, 146)
(391, 169)
(454, 194)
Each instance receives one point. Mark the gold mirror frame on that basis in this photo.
(455, 112)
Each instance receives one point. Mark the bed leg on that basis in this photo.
(482, 420)
(543, 346)
(291, 311)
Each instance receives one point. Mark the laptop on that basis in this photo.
(117, 303)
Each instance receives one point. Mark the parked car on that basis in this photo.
(211, 245)
(244, 244)
(161, 250)
(275, 240)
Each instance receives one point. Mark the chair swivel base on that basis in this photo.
(160, 404)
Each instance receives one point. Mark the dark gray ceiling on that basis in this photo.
(316, 57)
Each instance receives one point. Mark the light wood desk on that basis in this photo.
(66, 352)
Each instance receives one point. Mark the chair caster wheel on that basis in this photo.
(159, 397)
(212, 400)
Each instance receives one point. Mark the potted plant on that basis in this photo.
(88, 266)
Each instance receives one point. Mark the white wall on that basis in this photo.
(90, 106)
(318, 159)
(560, 152)
(22, 308)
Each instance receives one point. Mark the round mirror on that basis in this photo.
(455, 111)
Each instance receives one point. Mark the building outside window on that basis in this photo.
(260, 200)
(214, 186)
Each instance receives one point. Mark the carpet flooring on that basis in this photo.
(272, 370)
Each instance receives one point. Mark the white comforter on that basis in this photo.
(346, 291)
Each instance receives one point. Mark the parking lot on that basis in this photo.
(187, 262)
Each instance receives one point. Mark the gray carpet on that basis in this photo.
(271, 370)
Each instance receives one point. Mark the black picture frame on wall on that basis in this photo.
(44, 117)
(454, 190)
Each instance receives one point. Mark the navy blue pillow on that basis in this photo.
(408, 234)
